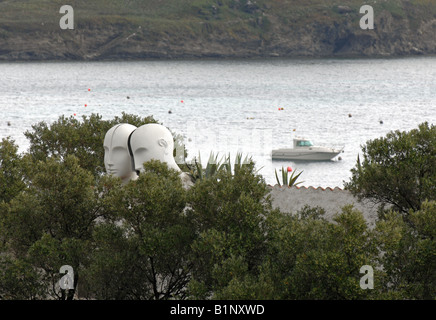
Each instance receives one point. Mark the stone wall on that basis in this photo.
(292, 199)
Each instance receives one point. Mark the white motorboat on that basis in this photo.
(305, 150)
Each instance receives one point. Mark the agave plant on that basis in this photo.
(291, 181)
(238, 163)
(214, 165)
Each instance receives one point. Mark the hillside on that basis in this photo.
(139, 29)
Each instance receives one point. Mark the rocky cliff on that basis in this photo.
(219, 29)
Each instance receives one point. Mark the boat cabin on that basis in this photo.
(298, 143)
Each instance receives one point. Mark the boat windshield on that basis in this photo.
(304, 143)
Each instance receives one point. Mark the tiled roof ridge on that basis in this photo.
(310, 187)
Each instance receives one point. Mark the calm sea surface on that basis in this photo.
(231, 106)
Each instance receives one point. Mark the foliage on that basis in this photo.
(398, 169)
(228, 211)
(146, 253)
(312, 258)
(214, 166)
(291, 181)
(219, 239)
(156, 16)
(11, 179)
(409, 253)
(84, 139)
(19, 280)
(50, 223)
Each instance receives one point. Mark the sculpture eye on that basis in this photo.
(119, 154)
(140, 151)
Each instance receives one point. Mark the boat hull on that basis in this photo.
(290, 154)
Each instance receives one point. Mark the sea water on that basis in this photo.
(231, 106)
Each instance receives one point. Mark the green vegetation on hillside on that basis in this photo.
(269, 24)
(23, 11)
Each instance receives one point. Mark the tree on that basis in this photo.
(312, 258)
(145, 254)
(19, 280)
(220, 239)
(398, 169)
(84, 139)
(11, 178)
(50, 223)
(408, 253)
(228, 210)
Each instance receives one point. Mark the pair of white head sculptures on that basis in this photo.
(127, 148)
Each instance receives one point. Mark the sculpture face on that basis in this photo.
(152, 141)
(117, 158)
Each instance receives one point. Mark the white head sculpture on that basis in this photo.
(152, 141)
(117, 159)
